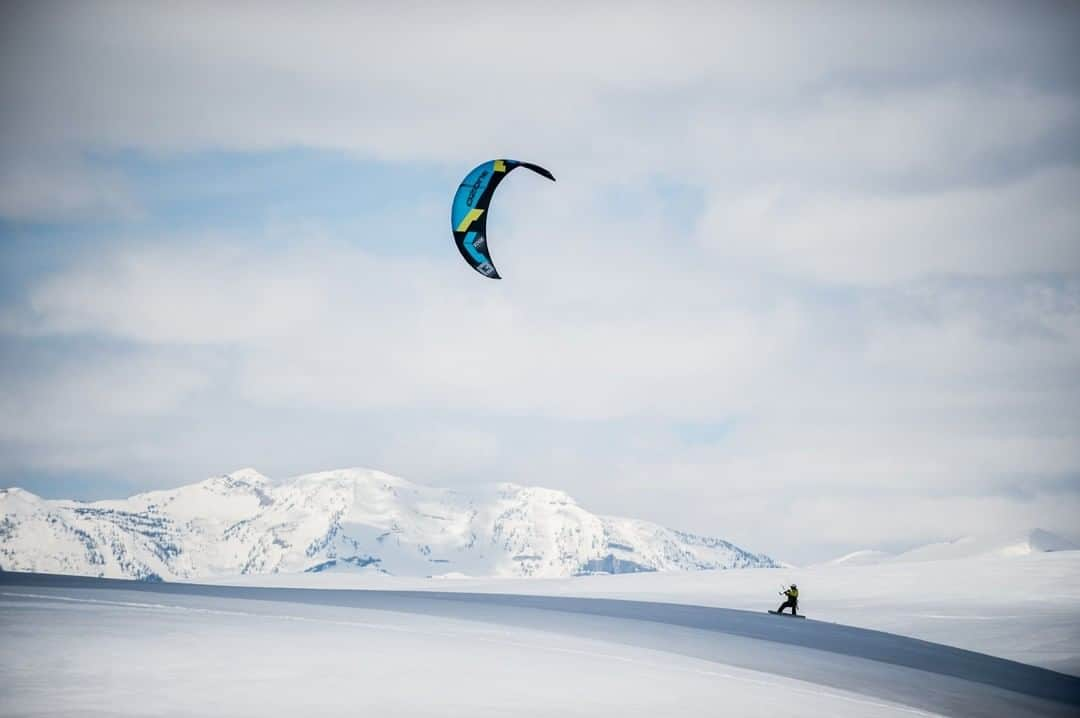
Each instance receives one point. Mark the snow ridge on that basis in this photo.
(344, 520)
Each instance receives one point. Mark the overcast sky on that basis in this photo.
(809, 279)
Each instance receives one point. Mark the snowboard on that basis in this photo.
(797, 615)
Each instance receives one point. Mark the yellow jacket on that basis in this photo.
(792, 593)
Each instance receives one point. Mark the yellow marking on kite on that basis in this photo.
(500, 166)
(472, 216)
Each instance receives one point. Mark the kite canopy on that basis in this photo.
(468, 216)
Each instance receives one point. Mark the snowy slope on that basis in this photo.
(347, 520)
(1025, 608)
(265, 651)
(230, 657)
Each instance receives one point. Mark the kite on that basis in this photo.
(468, 215)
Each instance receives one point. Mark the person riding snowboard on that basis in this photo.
(792, 600)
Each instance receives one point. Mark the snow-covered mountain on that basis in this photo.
(1033, 541)
(1030, 542)
(351, 519)
(866, 557)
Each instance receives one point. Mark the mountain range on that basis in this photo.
(345, 520)
(1000, 546)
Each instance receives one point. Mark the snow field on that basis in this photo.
(164, 656)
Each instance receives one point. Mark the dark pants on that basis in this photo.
(791, 603)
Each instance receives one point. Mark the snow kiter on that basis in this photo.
(468, 215)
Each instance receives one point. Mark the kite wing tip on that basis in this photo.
(539, 170)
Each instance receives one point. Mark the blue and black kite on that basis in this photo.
(468, 216)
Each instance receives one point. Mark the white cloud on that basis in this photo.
(931, 133)
(82, 401)
(632, 87)
(328, 325)
(1028, 226)
(442, 456)
(210, 291)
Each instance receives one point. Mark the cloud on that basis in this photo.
(63, 191)
(210, 291)
(321, 323)
(325, 324)
(450, 455)
(1025, 227)
(667, 89)
(93, 410)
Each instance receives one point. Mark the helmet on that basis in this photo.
(794, 586)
